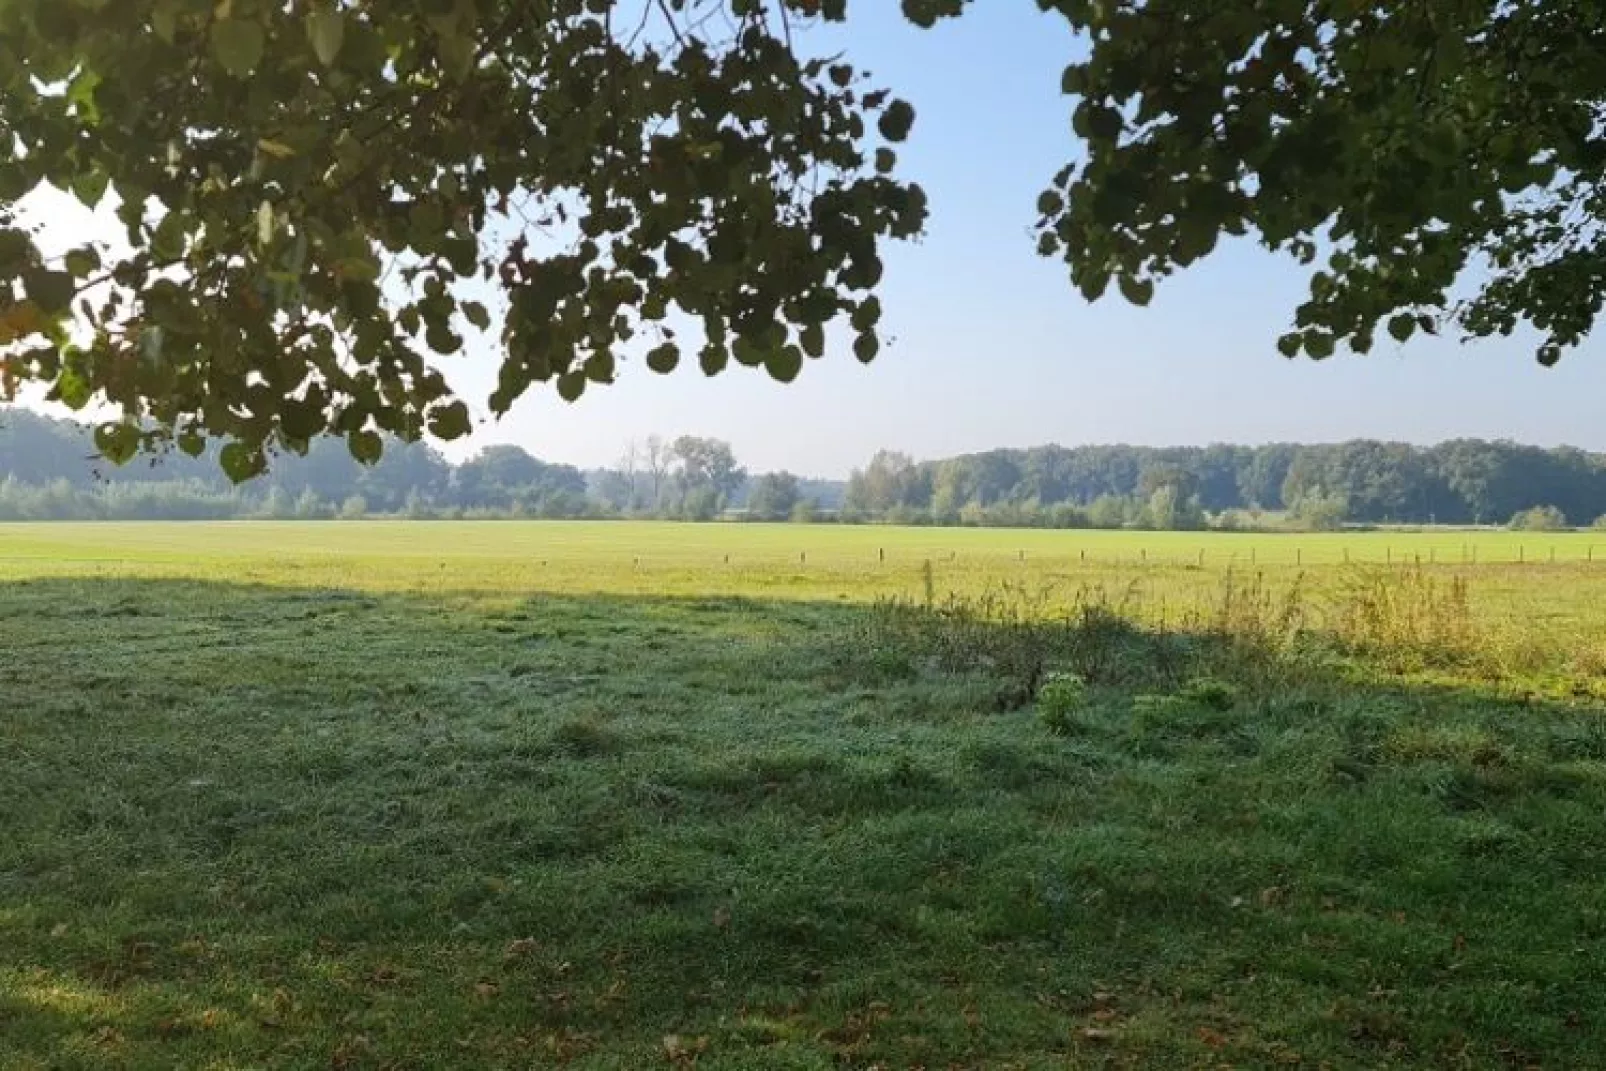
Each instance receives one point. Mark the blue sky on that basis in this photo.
(993, 346)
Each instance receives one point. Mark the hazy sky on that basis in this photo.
(993, 346)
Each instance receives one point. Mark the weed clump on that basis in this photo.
(1061, 698)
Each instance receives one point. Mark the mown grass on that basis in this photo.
(295, 822)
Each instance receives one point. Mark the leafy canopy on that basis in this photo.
(1399, 144)
(322, 198)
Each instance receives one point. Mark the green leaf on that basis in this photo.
(52, 291)
(1138, 291)
(164, 19)
(896, 121)
(301, 420)
(867, 314)
(713, 358)
(442, 339)
(326, 30)
(238, 45)
(117, 442)
(663, 358)
(571, 385)
(1104, 123)
(90, 187)
(1402, 326)
(366, 446)
(167, 241)
(784, 364)
(241, 462)
(1319, 344)
(449, 422)
(1288, 345)
(477, 315)
(866, 347)
(812, 338)
(82, 263)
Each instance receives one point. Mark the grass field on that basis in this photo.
(497, 795)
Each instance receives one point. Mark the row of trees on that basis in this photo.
(1464, 481)
(49, 468)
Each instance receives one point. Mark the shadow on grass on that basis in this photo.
(290, 828)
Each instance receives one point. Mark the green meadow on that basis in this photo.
(620, 795)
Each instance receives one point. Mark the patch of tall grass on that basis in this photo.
(1396, 620)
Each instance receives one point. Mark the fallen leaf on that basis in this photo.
(722, 918)
(1093, 1033)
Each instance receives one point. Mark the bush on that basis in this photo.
(1538, 519)
(1108, 511)
(1210, 693)
(1060, 698)
(1321, 512)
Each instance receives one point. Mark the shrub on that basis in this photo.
(1210, 693)
(1059, 699)
(1539, 519)
(1319, 511)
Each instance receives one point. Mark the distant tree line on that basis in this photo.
(48, 470)
(1464, 481)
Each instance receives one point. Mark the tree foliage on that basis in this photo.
(1399, 144)
(46, 472)
(321, 199)
(773, 496)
